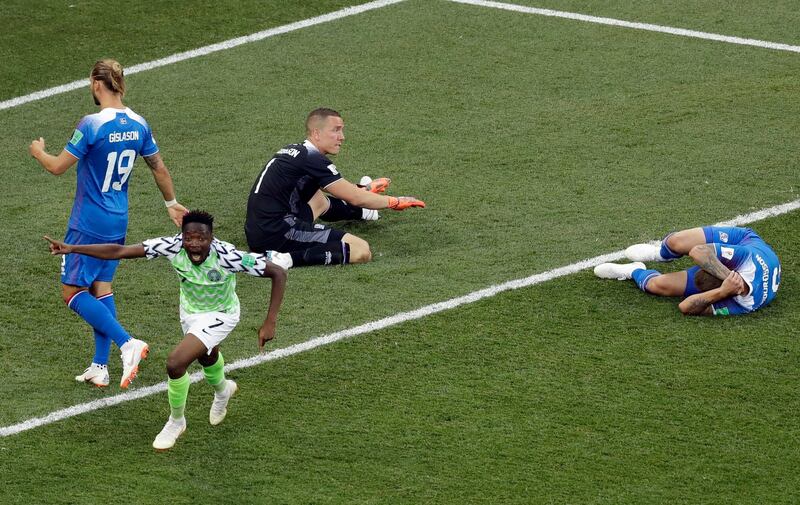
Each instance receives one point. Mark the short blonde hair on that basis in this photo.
(317, 115)
(110, 73)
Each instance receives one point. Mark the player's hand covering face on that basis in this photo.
(197, 239)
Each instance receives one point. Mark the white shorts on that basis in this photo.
(210, 327)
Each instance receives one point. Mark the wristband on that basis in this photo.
(171, 203)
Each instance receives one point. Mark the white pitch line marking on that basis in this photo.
(386, 322)
(630, 24)
(202, 51)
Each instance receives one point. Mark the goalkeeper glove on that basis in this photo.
(379, 185)
(404, 202)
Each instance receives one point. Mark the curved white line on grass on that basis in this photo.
(380, 324)
(202, 51)
(629, 24)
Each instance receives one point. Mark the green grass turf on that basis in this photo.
(574, 391)
(758, 19)
(52, 42)
(536, 143)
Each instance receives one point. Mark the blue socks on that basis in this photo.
(666, 252)
(102, 343)
(641, 277)
(96, 313)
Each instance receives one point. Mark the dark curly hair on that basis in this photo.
(198, 216)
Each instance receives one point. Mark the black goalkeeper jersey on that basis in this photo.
(285, 185)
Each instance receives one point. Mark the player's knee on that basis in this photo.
(210, 358)
(697, 252)
(682, 242)
(675, 243)
(176, 368)
(359, 251)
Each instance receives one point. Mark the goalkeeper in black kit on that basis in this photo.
(300, 184)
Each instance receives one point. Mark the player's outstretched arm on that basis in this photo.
(267, 330)
(164, 182)
(705, 256)
(700, 304)
(102, 251)
(56, 165)
(354, 195)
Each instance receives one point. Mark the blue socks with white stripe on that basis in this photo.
(641, 277)
(99, 317)
(102, 343)
(666, 253)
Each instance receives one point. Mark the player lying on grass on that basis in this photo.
(736, 271)
(299, 185)
(209, 307)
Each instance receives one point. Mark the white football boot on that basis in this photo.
(132, 352)
(94, 374)
(644, 252)
(219, 407)
(169, 434)
(617, 271)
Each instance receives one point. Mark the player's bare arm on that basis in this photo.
(164, 182)
(356, 196)
(56, 165)
(102, 251)
(278, 277)
(705, 257)
(700, 304)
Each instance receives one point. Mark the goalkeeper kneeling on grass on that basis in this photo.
(209, 307)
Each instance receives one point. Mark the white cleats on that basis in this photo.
(133, 351)
(617, 271)
(95, 374)
(369, 215)
(169, 434)
(219, 408)
(283, 260)
(644, 252)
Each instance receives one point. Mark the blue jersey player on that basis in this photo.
(105, 145)
(735, 272)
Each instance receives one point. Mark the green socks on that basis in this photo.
(215, 374)
(177, 391)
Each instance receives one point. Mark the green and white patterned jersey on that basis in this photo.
(210, 286)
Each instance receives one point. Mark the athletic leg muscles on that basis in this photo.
(682, 242)
(100, 288)
(359, 248)
(188, 350)
(671, 284)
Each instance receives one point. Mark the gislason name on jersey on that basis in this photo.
(123, 136)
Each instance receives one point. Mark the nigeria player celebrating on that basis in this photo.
(105, 145)
(735, 272)
(209, 307)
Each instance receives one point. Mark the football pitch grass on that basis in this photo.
(536, 143)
